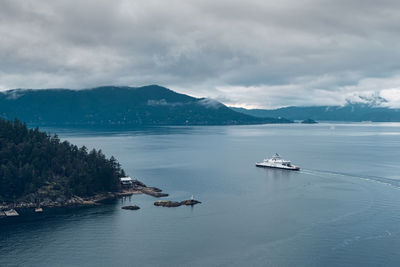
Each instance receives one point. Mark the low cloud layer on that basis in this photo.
(249, 53)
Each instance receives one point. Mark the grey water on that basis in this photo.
(341, 209)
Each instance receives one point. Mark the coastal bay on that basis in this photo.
(337, 209)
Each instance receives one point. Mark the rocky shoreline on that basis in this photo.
(76, 201)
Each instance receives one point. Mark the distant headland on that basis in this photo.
(351, 112)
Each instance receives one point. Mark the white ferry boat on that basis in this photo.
(277, 162)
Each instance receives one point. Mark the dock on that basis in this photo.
(38, 210)
(11, 213)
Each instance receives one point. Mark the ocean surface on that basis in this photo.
(341, 209)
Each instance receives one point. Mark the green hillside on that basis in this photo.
(111, 105)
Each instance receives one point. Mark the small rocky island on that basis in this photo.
(169, 204)
(132, 207)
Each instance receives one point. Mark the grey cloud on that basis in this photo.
(209, 103)
(283, 52)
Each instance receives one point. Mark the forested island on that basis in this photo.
(36, 167)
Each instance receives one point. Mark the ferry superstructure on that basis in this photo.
(277, 162)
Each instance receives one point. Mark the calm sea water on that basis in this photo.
(341, 209)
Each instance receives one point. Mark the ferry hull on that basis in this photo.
(294, 168)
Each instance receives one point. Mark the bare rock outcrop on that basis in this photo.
(168, 203)
(132, 207)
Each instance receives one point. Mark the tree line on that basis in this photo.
(36, 163)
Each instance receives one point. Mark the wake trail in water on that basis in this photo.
(388, 181)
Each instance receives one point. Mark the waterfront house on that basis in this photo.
(126, 181)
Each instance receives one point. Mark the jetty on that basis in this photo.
(11, 213)
(38, 210)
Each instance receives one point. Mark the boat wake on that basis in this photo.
(384, 180)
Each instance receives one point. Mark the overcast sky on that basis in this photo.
(245, 53)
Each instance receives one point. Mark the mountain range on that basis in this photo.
(355, 112)
(119, 105)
